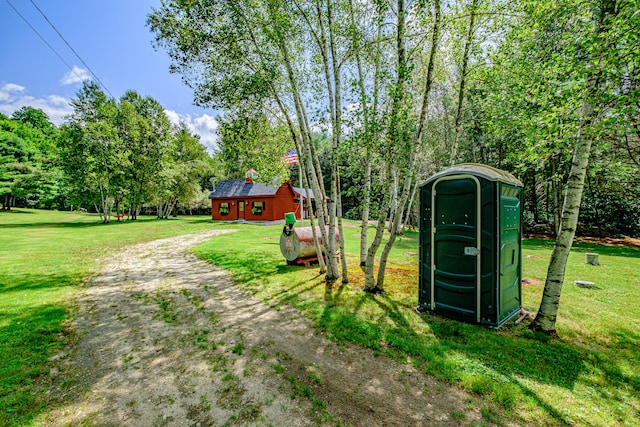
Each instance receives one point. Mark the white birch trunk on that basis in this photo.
(393, 231)
(370, 284)
(366, 202)
(548, 311)
(408, 210)
(318, 189)
(545, 320)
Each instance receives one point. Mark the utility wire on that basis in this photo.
(43, 39)
(72, 49)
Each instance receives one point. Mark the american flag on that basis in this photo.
(292, 157)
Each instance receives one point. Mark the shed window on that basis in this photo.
(257, 208)
(224, 208)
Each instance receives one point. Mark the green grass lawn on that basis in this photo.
(591, 376)
(44, 257)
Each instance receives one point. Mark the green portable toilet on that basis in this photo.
(470, 244)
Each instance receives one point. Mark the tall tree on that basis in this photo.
(92, 154)
(29, 159)
(14, 162)
(144, 130)
(413, 75)
(553, 88)
(248, 139)
(232, 53)
(604, 16)
(184, 164)
(462, 82)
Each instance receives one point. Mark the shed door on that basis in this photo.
(456, 247)
(240, 209)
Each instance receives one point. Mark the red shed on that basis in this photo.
(245, 200)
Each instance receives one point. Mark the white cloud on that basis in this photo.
(76, 75)
(6, 91)
(13, 97)
(173, 116)
(57, 108)
(205, 126)
(12, 87)
(206, 123)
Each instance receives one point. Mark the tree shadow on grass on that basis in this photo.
(341, 321)
(35, 282)
(95, 222)
(487, 354)
(16, 211)
(55, 225)
(245, 266)
(621, 348)
(254, 268)
(503, 363)
(520, 354)
(582, 247)
(620, 367)
(527, 355)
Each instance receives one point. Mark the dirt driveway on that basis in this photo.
(165, 339)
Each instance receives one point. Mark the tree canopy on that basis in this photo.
(403, 88)
(111, 156)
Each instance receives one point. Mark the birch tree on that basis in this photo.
(402, 142)
(91, 151)
(462, 83)
(603, 18)
(548, 98)
(254, 51)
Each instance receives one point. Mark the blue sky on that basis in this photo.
(111, 38)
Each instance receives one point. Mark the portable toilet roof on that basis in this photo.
(488, 172)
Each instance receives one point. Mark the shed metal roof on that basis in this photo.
(242, 188)
(307, 194)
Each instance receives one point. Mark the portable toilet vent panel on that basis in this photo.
(470, 244)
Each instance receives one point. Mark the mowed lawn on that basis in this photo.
(590, 376)
(44, 258)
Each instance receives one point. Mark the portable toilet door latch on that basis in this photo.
(472, 251)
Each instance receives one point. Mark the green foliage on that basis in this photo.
(144, 131)
(29, 174)
(248, 140)
(119, 156)
(526, 105)
(210, 38)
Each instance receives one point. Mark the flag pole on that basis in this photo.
(301, 198)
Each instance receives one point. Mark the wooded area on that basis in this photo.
(375, 96)
(399, 89)
(111, 157)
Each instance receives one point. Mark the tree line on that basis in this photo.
(112, 157)
(403, 88)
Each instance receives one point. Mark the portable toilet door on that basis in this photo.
(470, 231)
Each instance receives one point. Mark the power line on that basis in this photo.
(43, 39)
(72, 49)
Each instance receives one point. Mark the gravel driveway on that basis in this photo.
(166, 339)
